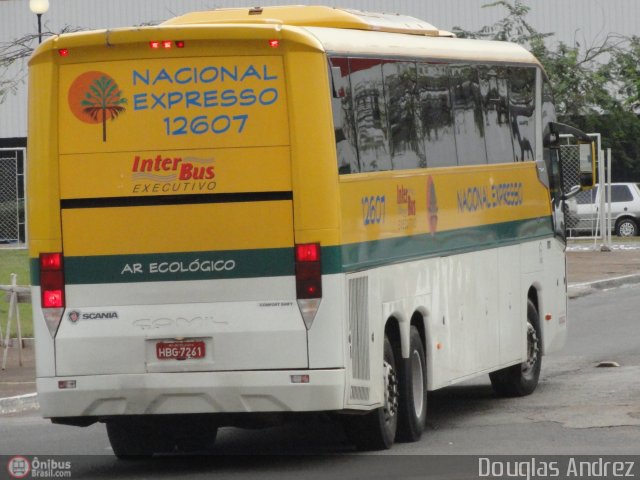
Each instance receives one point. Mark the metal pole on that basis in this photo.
(601, 207)
(609, 194)
(39, 15)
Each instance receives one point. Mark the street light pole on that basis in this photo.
(39, 7)
(39, 15)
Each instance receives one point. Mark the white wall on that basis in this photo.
(585, 21)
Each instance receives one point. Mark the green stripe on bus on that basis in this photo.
(376, 253)
(164, 267)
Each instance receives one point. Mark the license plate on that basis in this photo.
(180, 350)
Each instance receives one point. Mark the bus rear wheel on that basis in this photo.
(131, 439)
(522, 379)
(413, 390)
(377, 430)
(136, 437)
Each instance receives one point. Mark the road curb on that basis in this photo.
(18, 404)
(581, 289)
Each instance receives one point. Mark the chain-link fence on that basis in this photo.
(12, 190)
(570, 155)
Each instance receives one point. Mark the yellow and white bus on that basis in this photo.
(242, 214)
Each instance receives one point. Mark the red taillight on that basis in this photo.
(51, 280)
(308, 273)
(50, 261)
(308, 252)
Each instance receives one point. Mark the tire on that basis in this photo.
(522, 379)
(191, 438)
(626, 227)
(413, 391)
(130, 441)
(376, 430)
(133, 438)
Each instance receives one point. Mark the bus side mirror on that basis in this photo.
(577, 162)
(587, 164)
(575, 190)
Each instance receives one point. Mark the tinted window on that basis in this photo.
(343, 120)
(398, 115)
(494, 89)
(405, 138)
(370, 114)
(467, 115)
(549, 115)
(521, 111)
(436, 115)
(621, 193)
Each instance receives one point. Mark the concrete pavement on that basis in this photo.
(588, 270)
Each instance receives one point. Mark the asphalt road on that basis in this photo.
(578, 408)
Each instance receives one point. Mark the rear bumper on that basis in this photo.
(196, 392)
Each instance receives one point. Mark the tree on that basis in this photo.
(104, 100)
(626, 73)
(13, 54)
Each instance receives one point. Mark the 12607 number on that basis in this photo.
(373, 209)
(203, 124)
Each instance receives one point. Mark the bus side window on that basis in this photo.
(549, 154)
(495, 100)
(405, 136)
(468, 118)
(436, 115)
(370, 114)
(343, 121)
(522, 81)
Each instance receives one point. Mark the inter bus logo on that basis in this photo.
(94, 97)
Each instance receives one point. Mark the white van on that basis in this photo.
(583, 215)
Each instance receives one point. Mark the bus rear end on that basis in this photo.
(164, 238)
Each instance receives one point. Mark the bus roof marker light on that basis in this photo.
(63, 52)
(154, 44)
(166, 44)
(179, 43)
(274, 43)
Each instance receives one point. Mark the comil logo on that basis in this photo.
(18, 467)
(94, 97)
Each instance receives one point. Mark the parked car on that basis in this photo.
(583, 210)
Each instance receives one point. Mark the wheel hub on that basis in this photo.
(533, 349)
(390, 392)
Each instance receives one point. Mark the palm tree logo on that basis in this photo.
(94, 97)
